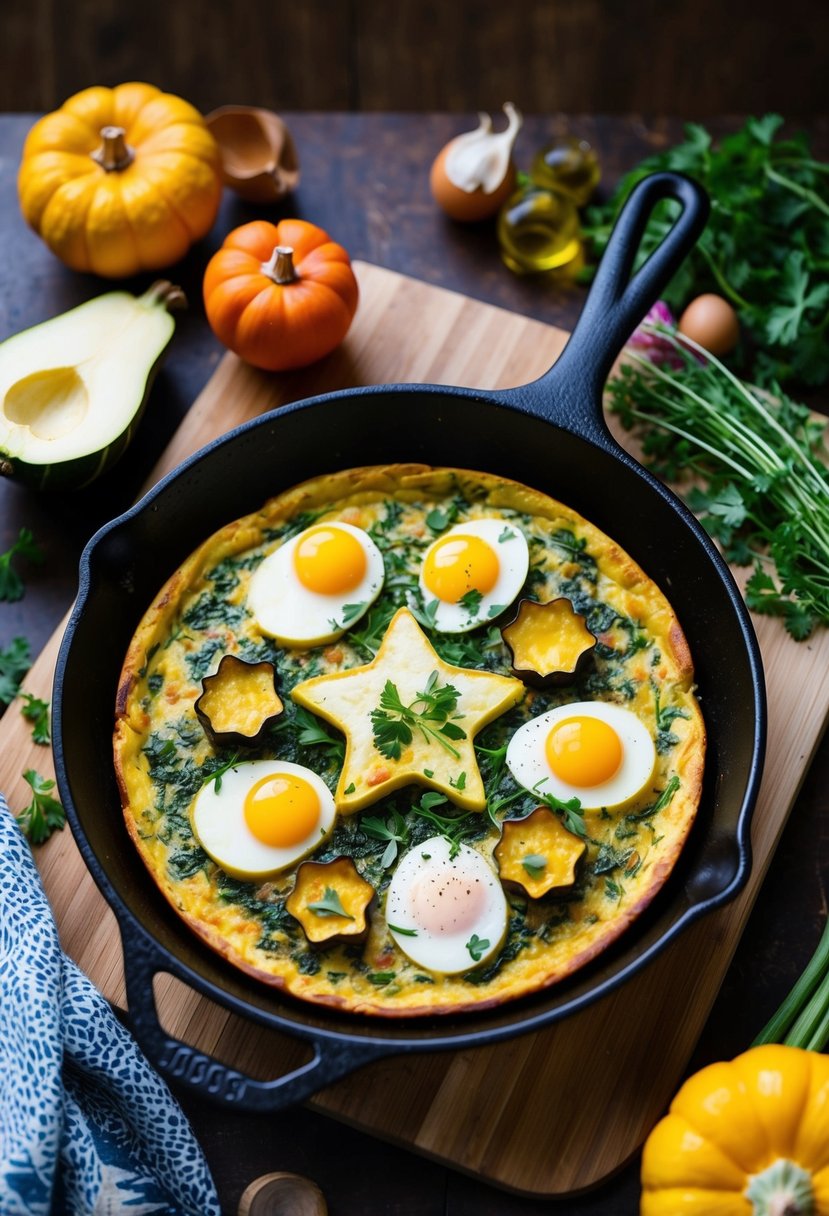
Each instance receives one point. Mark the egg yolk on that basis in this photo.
(583, 751)
(329, 561)
(281, 810)
(459, 564)
(447, 902)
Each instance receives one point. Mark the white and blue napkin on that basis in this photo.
(86, 1126)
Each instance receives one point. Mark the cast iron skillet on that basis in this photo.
(549, 434)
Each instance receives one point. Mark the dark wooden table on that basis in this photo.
(365, 180)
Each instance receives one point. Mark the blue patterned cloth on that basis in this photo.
(86, 1125)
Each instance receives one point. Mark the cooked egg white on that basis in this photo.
(599, 753)
(447, 914)
(471, 573)
(316, 585)
(264, 816)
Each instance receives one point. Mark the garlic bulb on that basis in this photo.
(482, 157)
(474, 174)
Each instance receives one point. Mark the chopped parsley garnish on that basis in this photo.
(395, 831)
(497, 757)
(217, 775)
(349, 789)
(350, 613)
(424, 612)
(613, 890)
(507, 534)
(454, 830)
(471, 602)
(534, 864)
(570, 811)
(312, 734)
(660, 804)
(459, 783)
(477, 947)
(393, 723)
(329, 905)
(403, 932)
(438, 520)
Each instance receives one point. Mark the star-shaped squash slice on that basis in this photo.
(441, 759)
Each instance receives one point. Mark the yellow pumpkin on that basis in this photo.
(120, 180)
(745, 1138)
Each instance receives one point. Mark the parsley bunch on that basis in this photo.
(766, 245)
(763, 489)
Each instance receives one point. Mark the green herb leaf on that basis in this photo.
(570, 811)
(369, 638)
(329, 905)
(438, 521)
(349, 789)
(313, 734)
(15, 661)
(391, 735)
(471, 602)
(403, 932)
(380, 978)
(454, 829)
(218, 773)
(534, 864)
(393, 723)
(477, 947)
(37, 712)
(352, 611)
(44, 814)
(506, 535)
(11, 584)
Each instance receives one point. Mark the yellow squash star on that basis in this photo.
(346, 699)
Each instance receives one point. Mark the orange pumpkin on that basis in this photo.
(280, 295)
(120, 180)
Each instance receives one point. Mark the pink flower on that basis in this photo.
(657, 349)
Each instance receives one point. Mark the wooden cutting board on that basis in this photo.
(547, 1113)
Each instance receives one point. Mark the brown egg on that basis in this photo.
(710, 321)
(468, 206)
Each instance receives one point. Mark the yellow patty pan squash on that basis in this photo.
(120, 180)
(745, 1138)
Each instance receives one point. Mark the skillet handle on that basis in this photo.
(570, 393)
(188, 1066)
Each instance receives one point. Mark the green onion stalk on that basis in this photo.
(803, 1018)
(762, 488)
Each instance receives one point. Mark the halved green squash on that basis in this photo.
(73, 388)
